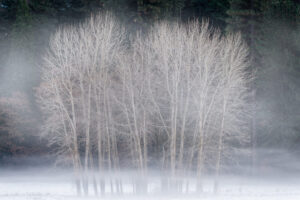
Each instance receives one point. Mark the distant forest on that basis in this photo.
(271, 29)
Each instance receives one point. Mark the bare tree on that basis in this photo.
(234, 99)
(192, 70)
(75, 74)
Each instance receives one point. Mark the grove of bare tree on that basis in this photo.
(174, 99)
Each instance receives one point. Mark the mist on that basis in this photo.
(116, 105)
(53, 183)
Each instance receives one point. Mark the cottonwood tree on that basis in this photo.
(206, 88)
(75, 80)
(132, 98)
(196, 76)
(162, 53)
(234, 99)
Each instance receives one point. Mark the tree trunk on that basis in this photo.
(220, 148)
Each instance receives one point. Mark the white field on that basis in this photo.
(58, 185)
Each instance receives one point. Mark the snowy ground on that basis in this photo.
(57, 185)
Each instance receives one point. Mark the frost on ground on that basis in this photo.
(58, 185)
